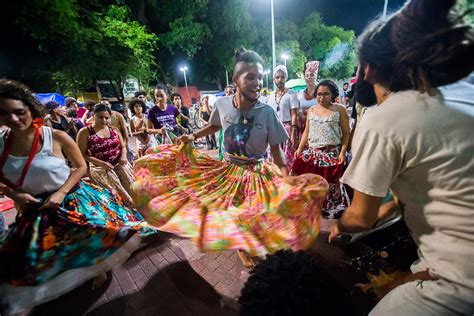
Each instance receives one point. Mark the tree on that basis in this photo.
(231, 27)
(296, 62)
(331, 45)
(74, 43)
(129, 46)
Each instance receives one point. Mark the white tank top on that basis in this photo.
(305, 104)
(47, 173)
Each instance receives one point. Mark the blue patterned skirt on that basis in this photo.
(91, 225)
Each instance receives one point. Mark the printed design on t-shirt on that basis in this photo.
(237, 135)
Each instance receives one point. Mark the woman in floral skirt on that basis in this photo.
(67, 231)
(244, 202)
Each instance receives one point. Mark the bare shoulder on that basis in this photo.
(116, 130)
(61, 137)
(339, 108)
(83, 132)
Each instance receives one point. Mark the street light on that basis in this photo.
(266, 72)
(285, 57)
(183, 69)
(385, 5)
(273, 40)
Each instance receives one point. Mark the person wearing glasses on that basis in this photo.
(323, 145)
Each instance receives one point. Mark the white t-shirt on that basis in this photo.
(287, 102)
(247, 133)
(423, 150)
(305, 104)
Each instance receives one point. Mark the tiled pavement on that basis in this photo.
(169, 277)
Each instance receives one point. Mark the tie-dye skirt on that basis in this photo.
(220, 205)
(46, 253)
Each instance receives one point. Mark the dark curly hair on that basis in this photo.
(176, 95)
(331, 85)
(140, 92)
(292, 283)
(131, 105)
(10, 89)
(422, 46)
(89, 105)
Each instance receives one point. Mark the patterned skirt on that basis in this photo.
(119, 180)
(220, 205)
(289, 148)
(49, 252)
(325, 162)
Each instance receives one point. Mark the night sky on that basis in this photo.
(349, 14)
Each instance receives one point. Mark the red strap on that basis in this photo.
(7, 151)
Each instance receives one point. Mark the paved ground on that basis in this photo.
(168, 277)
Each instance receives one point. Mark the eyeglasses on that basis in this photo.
(323, 94)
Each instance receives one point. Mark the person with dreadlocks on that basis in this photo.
(291, 283)
(243, 202)
(420, 147)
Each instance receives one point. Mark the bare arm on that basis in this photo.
(304, 137)
(346, 131)
(294, 126)
(73, 154)
(123, 149)
(206, 130)
(360, 216)
(150, 129)
(84, 117)
(279, 159)
(123, 127)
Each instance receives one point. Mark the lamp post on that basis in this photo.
(385, 5)
(273, 40)
(183, 69)
(285, 58)
(266, 72)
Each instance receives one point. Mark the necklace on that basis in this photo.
(307, 96)
(245, 121)
(278, 100)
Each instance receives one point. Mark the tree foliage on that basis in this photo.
(331, 45)
(67, 45)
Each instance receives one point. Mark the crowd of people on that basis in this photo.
(90, 184)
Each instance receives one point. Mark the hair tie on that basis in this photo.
(38, 122)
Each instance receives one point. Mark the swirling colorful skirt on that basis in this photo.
(46, 253)
(220, 205)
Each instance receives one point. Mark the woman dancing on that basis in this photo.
(243, 202)
(104, 148)
(67, 231)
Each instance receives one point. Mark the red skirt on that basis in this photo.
(325, 162)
